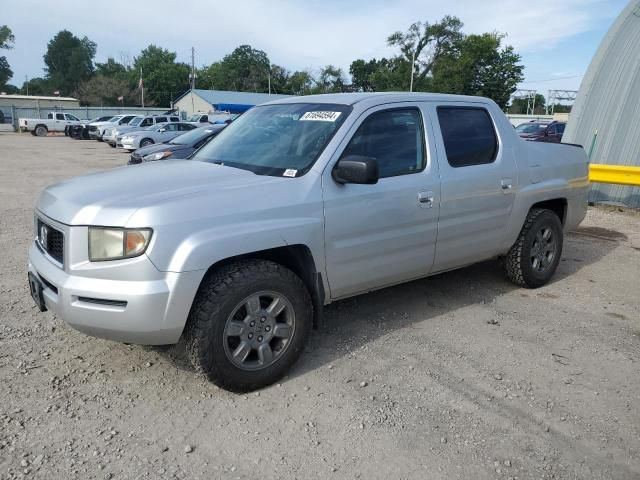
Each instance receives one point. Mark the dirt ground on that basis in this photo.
(461, 375)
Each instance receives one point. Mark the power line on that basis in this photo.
(551, 79)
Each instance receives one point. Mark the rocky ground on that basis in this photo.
(461, 375)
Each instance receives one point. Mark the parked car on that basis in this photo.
(218, 117)
(55, 122)
(110, 133)
(180, 147)
(537, 131)
(97, 129)
(159, 133)
(81, 131)
(117, 133)
(298, 203)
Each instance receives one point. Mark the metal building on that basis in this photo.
(206, 101)
(605, 118)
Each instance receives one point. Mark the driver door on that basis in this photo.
(378, 235)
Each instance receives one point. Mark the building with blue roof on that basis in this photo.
(209, 101)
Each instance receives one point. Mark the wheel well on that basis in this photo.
(41, 125)
(557, 206)
(296, 258)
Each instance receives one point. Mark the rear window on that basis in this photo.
(468, 135)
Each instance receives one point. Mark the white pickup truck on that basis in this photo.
(55, 122)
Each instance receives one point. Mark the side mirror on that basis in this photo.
(356, 169)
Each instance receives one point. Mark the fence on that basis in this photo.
(12, 114)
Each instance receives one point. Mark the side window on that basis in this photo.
(171, 127)
(174, 119)
(560, 127)
(50, 116)
(468, 135)
(204, 119)
(395, 138)
(552, 130)
(161, 119)
(146, 122)
(59, 116)
(72, 117)
(185, 127)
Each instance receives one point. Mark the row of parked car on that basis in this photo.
(152, 137)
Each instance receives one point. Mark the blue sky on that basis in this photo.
(555, 38)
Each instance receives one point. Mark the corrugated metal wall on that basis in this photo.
(609, 102)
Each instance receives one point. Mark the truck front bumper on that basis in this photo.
(152, 311)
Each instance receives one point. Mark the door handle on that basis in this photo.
(425, 199)
(506, 184)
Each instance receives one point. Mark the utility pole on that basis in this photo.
(269, 79)
(26, 82)
(193, 75)
(141, 85)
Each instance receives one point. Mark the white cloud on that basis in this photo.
(294, 34)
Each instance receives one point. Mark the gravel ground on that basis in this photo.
(461, 375)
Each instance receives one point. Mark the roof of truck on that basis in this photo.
(378, 97)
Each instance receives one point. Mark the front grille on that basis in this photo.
(51, 240)
(92, 128)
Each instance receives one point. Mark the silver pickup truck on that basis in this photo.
(298, 203)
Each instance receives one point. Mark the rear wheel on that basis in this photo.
(534, 257)
(41, 131)
(248, 324)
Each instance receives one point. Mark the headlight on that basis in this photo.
(117, 243)
(156, 156)
(127, 138)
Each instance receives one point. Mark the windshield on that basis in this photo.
(531, 127)
(194, 136)
(195, 117)
(135, 121)
(278, 140)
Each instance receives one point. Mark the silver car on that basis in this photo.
(296, 204)
(159, 133)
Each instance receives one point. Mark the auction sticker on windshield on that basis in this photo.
(321, 116)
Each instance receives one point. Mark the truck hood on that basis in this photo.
(110, 198)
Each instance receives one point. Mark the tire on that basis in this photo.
(112, 145)
(215, 345)
(145, 142)
(41, 131)
(534, 258)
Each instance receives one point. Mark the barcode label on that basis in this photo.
(321, 116)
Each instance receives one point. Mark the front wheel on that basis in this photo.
(146, 142)
(534, 257)
(248, 324)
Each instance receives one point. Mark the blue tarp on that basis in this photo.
(232, 107)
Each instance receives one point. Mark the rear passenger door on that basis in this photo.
(478, 174)
(378, 235)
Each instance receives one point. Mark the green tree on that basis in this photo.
(361, 72)
(69, 61)
(104, 90)
(111, 69)
(246, 69)
(427, 42)
(6, 43)
(300, 83)
(479, 65)
(163, 78)
(329, 80)
(36, 86)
